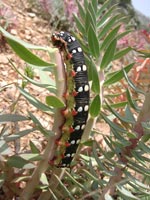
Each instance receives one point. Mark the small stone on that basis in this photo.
(13, 31)
(31, 15)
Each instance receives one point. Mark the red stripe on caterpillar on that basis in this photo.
(77, 98)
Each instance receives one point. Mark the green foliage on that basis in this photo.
(105, 169)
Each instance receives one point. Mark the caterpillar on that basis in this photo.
(76, 96)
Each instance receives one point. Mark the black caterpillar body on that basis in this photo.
(79, 91)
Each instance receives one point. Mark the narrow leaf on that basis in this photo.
(25, 44)
(106, 16)
(34, 148)
(95, 79)
(10, 138)
(26, 55)
(4, 148)
(108, 55)
(122, 53)
(126, 193)
(111, 36)
(34, 101)
(131, 84)
(54, 102)
(95, 106)
(93, 42)
(117, 76)
(5, 118)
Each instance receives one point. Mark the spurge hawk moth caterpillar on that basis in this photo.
(77, 98)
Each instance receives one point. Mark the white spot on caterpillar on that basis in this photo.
(79, 49)
(74, 51)
(86, 108)
(80, 109)
(80, 89)
(73, 38)
(84, 68)
(77, 127)
(86, 88)
(78, 141)
(78, 69)
(69, 40)
(82, 127)
(68, 155)
(73, 142)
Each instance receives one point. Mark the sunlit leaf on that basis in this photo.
(109, 38)
(26, 55)
(93, 42)
(54, 101)
(109, 54)
(95, 106)
(34, 148)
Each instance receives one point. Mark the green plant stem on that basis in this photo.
(50, 148)
(144, 115)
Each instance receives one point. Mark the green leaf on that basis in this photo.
(45, 132)
(18, 162)
(35, 101)
(100, 162)
(111, 36)
(94, 6)
(44, 180)
(108, 26)
(90, 17)
(121, 35)
(117, 76)
(65, 189)
(122, 53)
(25, 44)
(81, 10)
(119, 105)
(102, 8)
(95, 106)
(50, 85)
(132, 103)
(109, 54)
(34, 148)
(118, 116)
(106, 16)
(54, 102)
(15, 136)
(31, 156)
(126, 193)
(131, 84)
(114, 126)
(26, 55)
(73, 179)
(79, 25)
(4, 148)
(95, 80)
(5, 118)
(93, 42)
